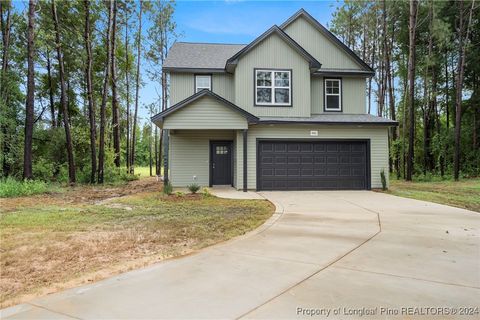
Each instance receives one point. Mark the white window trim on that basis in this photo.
(197, 88)
(339, 94)
(273, 87)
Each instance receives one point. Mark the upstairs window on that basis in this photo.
(203, 81)
(273, 88)
(333, 95)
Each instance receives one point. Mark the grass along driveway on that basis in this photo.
(463, 194)
(46, 246)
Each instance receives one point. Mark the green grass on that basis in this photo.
(47, 245)
(14, 188)
(463, 194)
(145, 171)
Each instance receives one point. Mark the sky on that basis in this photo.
(233, 21)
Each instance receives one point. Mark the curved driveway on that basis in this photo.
(357, 251)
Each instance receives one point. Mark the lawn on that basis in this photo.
(145, 171)
(463, 194)
(52, 242)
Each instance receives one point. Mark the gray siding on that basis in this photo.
(323, 49)
(353, 95)
(189, 155)
(182, 86)
(273, 53)
(205, 113)
(378, 146)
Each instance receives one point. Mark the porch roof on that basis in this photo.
(215, 113)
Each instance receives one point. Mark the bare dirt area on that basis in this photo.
(86, 194)
(87, 233)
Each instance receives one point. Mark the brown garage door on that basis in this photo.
(312, 165)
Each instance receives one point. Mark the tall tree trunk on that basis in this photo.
(53, 120)
(5, 27)
(103, 106)
(115, 108)
(411, 90)
(137, 86)
(29, 112)
(373, 55)
(459, 85)
(127, 84)
(63, 97)
(91, 100)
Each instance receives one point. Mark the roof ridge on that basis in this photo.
(214, 43)
(275, 29)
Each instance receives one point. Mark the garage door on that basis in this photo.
(312, 165)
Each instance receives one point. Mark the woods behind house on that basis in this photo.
(72, 72)
(427, 60)
(70, 84)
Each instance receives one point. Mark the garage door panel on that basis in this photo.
(316, 165)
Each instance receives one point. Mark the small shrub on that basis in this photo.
(384, 180)
(168, 188)
(206, 193)
(179, 194)
(193, 188)
(14, 188)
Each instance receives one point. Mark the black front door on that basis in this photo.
(221, 162)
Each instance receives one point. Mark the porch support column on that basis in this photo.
(166, 142)
(245, 184)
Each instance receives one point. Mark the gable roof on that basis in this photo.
(231, 62)
(189, 56)
(326, 33)
(205, 92)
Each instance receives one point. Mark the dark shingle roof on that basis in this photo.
(200, 55)
(337, 118)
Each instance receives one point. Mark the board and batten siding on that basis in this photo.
(329, 54)
(182, 86)
(189, 155)
(205, 113)
(378, 146)
(353, 95)
(273, 53)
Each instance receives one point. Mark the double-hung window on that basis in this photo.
(203, 81)
(273, 87)
(333, 95)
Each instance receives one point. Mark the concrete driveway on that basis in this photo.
(335, 254)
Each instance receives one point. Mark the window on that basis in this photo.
(203, 82)
(333, 95)
(221, 150)
(273, 88)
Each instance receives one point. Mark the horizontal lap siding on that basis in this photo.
(273, 53)
(189, 155)
(182, 86)
(353, 95)
(378, 144)
(329, 54)
(205, 113)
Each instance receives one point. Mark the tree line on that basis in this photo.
(70, 82)
(427, 60)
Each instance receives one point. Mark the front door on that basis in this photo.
(221, 162)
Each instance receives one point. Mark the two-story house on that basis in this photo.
(284, 112)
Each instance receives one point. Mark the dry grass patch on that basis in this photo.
(44, 248)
